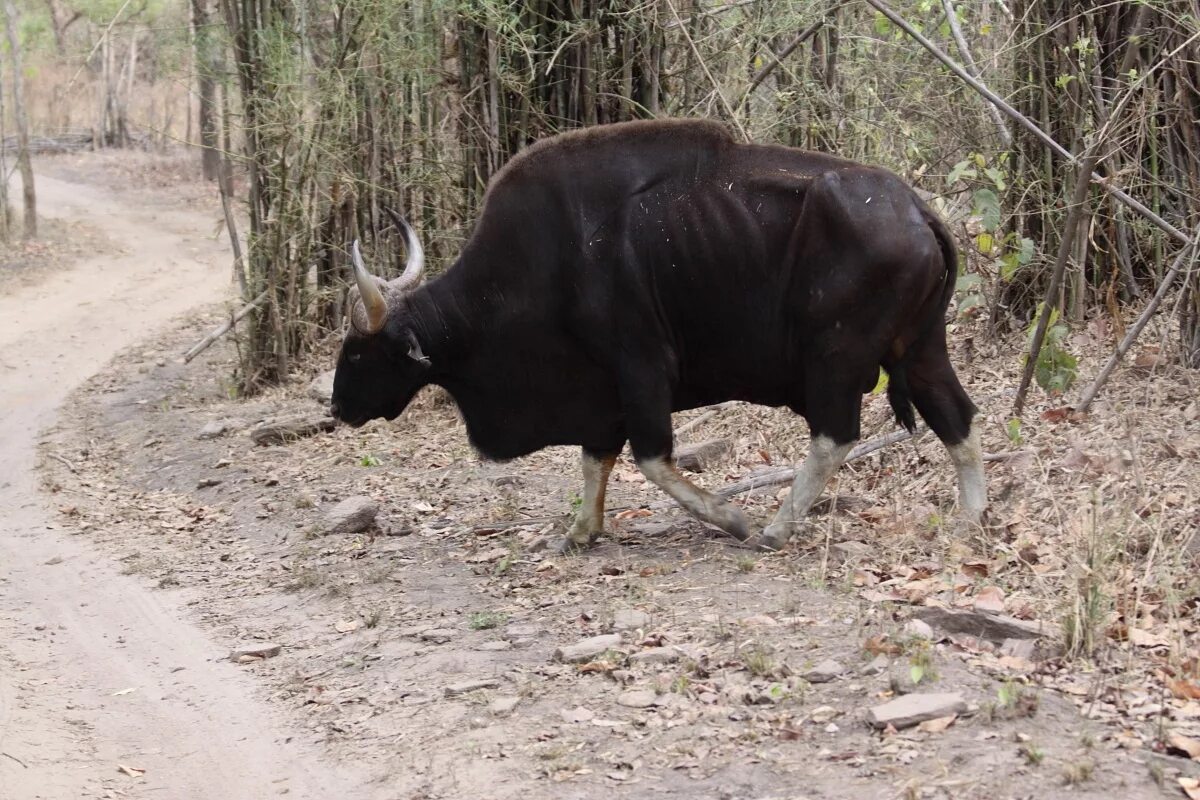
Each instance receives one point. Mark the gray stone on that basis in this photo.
(495, 646)
(255, 651)
(918, 628)
(983, 625)
(352, 515)
(587, 649)
(824, 672)
(913, 709)
(637, 698)
(655, 655)
(629, 619)
(504, 705)
(216, 428)
(321, 388)
(699, 456)
(437, 635)
(879, 665)
(282, 431)
(471, 686)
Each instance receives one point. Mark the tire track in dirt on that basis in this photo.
(75, 634)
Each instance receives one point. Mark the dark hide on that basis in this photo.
(627, 271)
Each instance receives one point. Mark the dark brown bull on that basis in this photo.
(623, 272)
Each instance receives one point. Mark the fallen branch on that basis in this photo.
(786, 474)
(1089, 394)
(1028, 125)
(202, 345)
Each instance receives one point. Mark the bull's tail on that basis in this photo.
(898, 392)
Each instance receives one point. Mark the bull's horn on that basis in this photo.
(374, 303)
(414, 268)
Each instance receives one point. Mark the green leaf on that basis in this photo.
(1009, 265)
(1062, 80)
(997, 177)
(985, 242)
(1026, 253)
(883, 25)
(1013, 428)
(916, 672)
(980, 160)
(961, 170)
(967, 281)
(987, 208)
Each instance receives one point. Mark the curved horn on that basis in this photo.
(372, 297)
(414, 268)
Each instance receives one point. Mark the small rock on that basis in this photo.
(587, 649)
(352, 515)
(1019, 648)
(629, 619)
(655, 655)
(919, 628)
(216, 428)
(504, 705)
(831, 728)
(494, 647)
(437, 635)
(579, 714)
(823, 714)
(471, 686)
(912, 709)
(287, 430)
(993, 627)
(879, 665)
(824, 672)
(204, 483)
(321, 387)
(700, 456)
(255, 651)
(54, 561)
(637, 698)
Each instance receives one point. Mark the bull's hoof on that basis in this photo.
(568, 546)
(734, 522)
(773, 538)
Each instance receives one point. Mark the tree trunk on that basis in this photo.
(206, 87)
(12, 23)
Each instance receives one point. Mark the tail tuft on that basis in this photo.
(898, 396)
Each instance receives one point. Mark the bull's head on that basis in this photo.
(381, 365)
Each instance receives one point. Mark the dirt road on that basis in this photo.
(95, 670)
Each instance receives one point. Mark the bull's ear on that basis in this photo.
(414, 350)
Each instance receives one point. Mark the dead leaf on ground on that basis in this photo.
(633, 513)
(133, 772)
(937, 725)
(990, 598)
(347, 625)
(1191, 787)
(975, 569)
(1184, 744)
(880, 646)
(1184, 689)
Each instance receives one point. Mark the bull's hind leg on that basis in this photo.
(589, 519)
(833, 408)
(944, 405)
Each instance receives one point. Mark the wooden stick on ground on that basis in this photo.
(226, 326)
(703, 418)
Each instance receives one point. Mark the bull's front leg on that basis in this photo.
(705, 506)
(589, 518)
(824, 458)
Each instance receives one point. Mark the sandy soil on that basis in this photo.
(96, 671)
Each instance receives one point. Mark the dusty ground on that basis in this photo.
(1094, 521)
(102, 679)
